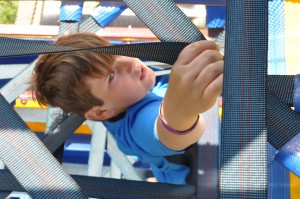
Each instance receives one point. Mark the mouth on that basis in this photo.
(143, 73)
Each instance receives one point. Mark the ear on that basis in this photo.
(98, 113)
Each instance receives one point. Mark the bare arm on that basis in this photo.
(195, 83)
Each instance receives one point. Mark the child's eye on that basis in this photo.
(111, 76)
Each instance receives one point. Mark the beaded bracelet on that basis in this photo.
(170, 129)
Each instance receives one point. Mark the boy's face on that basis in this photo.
(130, 81)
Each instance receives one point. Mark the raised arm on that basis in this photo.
(195, 83)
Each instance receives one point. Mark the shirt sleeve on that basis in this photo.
(144, 132)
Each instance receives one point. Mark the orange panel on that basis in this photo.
(294, 186)
(40, 127)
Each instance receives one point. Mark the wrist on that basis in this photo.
(181, 127)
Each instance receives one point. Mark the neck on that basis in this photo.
(117, 117)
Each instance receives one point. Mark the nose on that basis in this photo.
(129, 68)
(125, 65)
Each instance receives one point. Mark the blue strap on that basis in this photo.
(71, 11)
(278, 177)
(215, 16)
(104, 15)
(289, 155)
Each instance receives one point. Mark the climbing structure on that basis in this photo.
(256, 111)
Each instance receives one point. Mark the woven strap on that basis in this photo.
(71, 11)
(19, 47)
(112, 188)
(289, 154)
(282, 87)
(151, 57)
(29, 160)
(165, 20)
(243, 157)
(104, 15)
(4, 194)
(297, 94)
(285, 129)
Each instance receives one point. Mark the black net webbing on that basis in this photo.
(30, 161)
(97, 187)
(243, 156)
(165, 20)
(282, 87)
(149, 51)
(4, 194)
(283, 122)
(248, 82)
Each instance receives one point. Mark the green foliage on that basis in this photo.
(8, 11)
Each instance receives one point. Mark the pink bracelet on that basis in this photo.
(173, 130)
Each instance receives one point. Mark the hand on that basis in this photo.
(196, 81)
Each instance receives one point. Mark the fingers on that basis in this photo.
(191, 51)
(203, 60)
(198, 73)
(209, 74)
(214, 89)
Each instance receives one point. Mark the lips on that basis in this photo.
(143, 73)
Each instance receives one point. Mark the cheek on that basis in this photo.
(151, 79)
(134, 94)
(128, 90)
(129, 98)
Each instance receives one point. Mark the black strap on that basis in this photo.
(19, 47)
(57, 136)
(96, 187)
(30, 161)
(155, 58)
(283, 122)
(243, 157)
(165, 20)
(4, 194)
(282, 87)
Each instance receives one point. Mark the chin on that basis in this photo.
(152, 82)
(142, 96)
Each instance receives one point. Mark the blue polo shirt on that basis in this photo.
(136, 135)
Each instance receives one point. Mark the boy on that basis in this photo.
(151, 121)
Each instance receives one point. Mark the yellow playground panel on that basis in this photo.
(25, 100)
